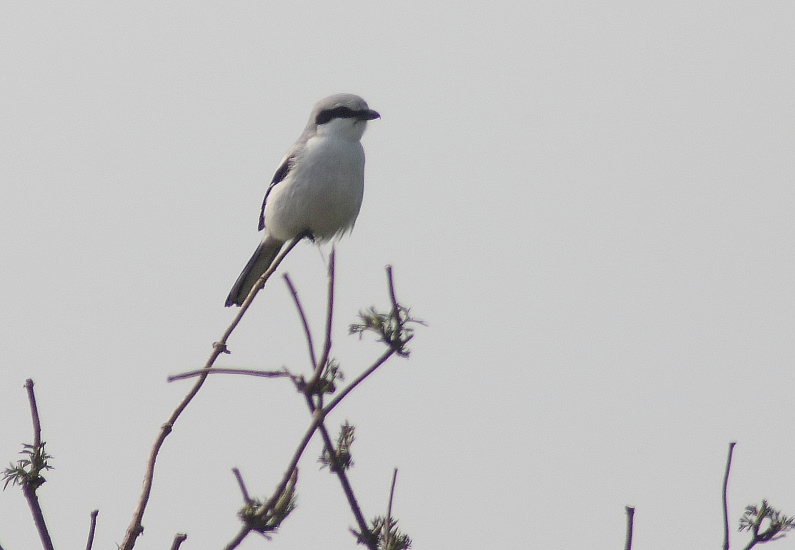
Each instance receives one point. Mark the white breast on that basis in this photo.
(323, 192)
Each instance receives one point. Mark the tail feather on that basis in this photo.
(258, 264)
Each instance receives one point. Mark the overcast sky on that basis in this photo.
(591, 205)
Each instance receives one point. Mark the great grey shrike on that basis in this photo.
(317, 189)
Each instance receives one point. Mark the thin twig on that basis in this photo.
(220, 370)
(391, 283)
(388, 522)
(364, 529)
(329, 318)
(34, 413)
(332, 264)
(29, 488)
(725, 494)
(241, 484)
(630, 520)
(392, 493)
(135, 528)
(317, 418)
(91, 528)
(397, 310)
(179, 538)
(343, 477)
(235, 542)
(359, 379)
(304, 321)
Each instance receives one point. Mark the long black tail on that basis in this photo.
(258, 264)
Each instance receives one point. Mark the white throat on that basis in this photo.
(343, 128)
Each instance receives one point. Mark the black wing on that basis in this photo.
(280, 174)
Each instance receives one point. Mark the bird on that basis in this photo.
(318, 187)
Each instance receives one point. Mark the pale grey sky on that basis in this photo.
(591, 205)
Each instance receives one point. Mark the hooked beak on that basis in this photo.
(369, 115)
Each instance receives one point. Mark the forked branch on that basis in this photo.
(394, 329)
(27, 471)
(136, 526)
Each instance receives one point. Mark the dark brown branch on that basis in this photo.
(179, 538)
(725, 497)
(329, 318)
(391, 493)
(304, 321)
(136, 527)
(342, 476)
(34, 413)
(359, 379)
(38, 516)
(388, 522)
(242, 485)
(91, 528)
(219, 370)
(317, 418)
(30, 486)
(364, 529)
(630, 521)
(235, 542)
(391, 283)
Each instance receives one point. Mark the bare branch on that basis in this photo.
(27, 473)
(364, 529)
(38, 516)
(179, 538)
(136, 527)
(391, 493)
(318, 372)
(391, 283)
(388, 522)
(630, 521)
(304, 321)
(34, 413)
(317, 418)
(337, 468)
(241, 484)
(359, 379)
(91, 528)
(218, 370)
(235, 542)
(332, 262)
(725, 497)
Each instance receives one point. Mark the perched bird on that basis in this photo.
(317, 189)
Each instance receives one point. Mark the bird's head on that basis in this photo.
(344, 115)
